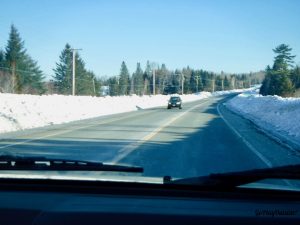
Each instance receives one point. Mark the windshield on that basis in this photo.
(95, 82)
(174, 99)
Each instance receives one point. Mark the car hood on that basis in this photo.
(122, 177)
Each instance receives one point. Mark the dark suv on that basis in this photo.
(175, 101)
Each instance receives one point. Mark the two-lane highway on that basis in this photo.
(202, 138)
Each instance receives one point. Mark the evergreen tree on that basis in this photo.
(196, 84)
(32, 82)
(147, 76)
(98, 84)
(5, 77)
(161, 75)
(206, 80)
(193, 82)
(63, 72)
(14, 54)
(284, 58)
(218, 83)
(124, 80)
(186, 76)
(277, 80)
(113, 86)
(2, 60)
(83, 79)
(295, 77)
(176, 77)
(138, 80)
(26, 74)
(226, 83)
(267, 87)
(63, 80)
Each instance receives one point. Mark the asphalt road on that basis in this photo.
(204, 137)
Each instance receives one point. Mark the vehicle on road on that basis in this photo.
(175, 101)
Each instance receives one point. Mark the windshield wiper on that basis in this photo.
(9, 162)
(235, 179)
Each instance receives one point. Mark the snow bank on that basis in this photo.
(280, 116)
(18, 112)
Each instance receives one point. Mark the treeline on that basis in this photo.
(158, 79)
(20, 74)
(283, 78)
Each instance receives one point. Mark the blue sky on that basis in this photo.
(233, 36)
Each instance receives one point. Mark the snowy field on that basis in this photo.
(19, 112)
(278, 116)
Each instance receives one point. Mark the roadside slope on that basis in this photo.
(279, 117)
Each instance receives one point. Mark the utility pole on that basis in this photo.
(73, 69)
(222, 84)
(182, 83)
(94, 87)
(132, 86)
(233, 82)
(13, 64)
(197, 78)
(213, 85)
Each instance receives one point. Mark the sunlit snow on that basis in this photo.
(272, 113)
(18, 112)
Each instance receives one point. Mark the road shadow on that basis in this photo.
(186, 148)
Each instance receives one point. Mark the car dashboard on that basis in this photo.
(28, 201)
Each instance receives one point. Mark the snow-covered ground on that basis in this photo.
(19, 112)
(276, 115)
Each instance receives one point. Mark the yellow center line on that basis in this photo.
(63, 132)
(133, 146)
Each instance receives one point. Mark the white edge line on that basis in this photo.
(258, 154)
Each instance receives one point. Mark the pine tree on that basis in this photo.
(5, 78)
(277, 80)
(226, 83)
(160, 77)
(186, 72)
(33, 81)
(15, 52)
(26, 74)
(196, 84)
(124, 80)
(63, 72)
(83, 80)
(113, 86)
(218, 83)
(63, 78)
(295, 77)
(2, 60)
(283, 59)
(138, 80)
(266, 87)
(147, 76)
(206, 80)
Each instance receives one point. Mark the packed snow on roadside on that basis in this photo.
(18, 112)
(272, 113)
